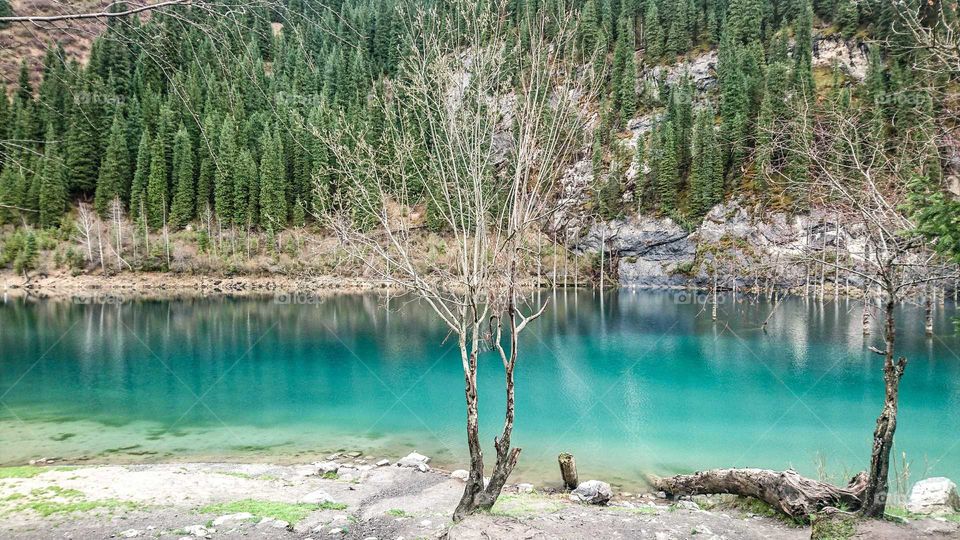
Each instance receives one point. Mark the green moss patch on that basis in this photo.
(526, 504)
(288, 512)
(28, 471)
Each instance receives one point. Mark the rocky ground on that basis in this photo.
(359, 497)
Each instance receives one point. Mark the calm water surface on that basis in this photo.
(640, 383)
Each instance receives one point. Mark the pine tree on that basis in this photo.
(247, 190)
(138, 189)
(667, 169)
(53, 183)
(652, 30)
(706, 172)
(184, 198)
(803, 50)
(227, 154)
(156, 199)
(273, 203)
(847, 17)
(114, 179)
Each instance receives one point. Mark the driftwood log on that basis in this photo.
(787, 491)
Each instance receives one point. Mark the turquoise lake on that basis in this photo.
(640, 383)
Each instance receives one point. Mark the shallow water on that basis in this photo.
(641, 383)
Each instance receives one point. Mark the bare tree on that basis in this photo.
(857, 175)
(85, 224)
(480, 139)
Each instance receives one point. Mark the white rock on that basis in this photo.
(524, 488)
(239, 516)
(336, 531)
(413, 459)
(426, 523)
(383, 463)
(324, 467)
(129, 533)
(265, 521)
(593, 492)
(317, 497)
(279, 524)
(460, 474)
(934, 496)
(423, 467)
(198, 530)
(688, 505)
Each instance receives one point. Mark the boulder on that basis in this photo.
(934, 496)
(199, 531)
(317, 497)
(414, 460)
(325, 467)
(239, 516)
(593, 492)
(688, 505)
(383, 463)
(460, 474)
(129, 533)
(524, 488)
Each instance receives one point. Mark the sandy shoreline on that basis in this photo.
(94, 288)
(358, 496)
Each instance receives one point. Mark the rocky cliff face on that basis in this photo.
(732, 240)
(742, 249)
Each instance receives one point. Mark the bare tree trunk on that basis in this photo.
(603, 247)
(928, 311)
(470, 500)
(875, 495)
(713, 315)
(787, 491)
(866, 315)
(103, 264)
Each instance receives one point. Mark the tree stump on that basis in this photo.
(568, 470)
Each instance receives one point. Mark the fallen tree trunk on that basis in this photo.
(787, 491)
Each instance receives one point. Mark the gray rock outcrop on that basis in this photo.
(934, 496)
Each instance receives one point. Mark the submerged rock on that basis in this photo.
(934, 496)
(593, 492)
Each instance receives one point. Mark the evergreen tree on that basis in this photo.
(847, 17)
(223, 188)
(803, 50)
(184, 198)
(652, 30)
(114, 179)
(706, 172)
(5, 11)
(247, 192)
(667, 168)
(156, 199)
(53, 183)
(273, 203)
(138, 189)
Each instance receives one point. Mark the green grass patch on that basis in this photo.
(48, 507)
(525, 504)
(288, 512)
(28, 471)
(329, 476)
(396, 512)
